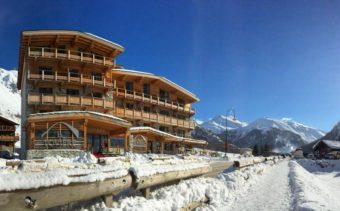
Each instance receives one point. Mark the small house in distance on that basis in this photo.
(323, 147)
(7, 135)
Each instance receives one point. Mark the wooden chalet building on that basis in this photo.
(322, 147)
(76, 97)
(7, 135)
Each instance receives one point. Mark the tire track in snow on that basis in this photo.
(272, 192)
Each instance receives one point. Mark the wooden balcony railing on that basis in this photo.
(69, 55)
(81, 79)
(51, 99)
(153, 117)
(7, 128)
(9, 138)
(119, 92)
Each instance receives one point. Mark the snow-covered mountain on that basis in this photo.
(283, 135)
(217, 124)
(308, 134)
(10, 103)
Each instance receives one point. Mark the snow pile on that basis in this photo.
(320, 166)
(221, 192)
(57, 170)
(146, 165)
(314, 191)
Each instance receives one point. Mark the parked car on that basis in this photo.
(333, 155)
(329, 156)
(6, 154)
(311, 156)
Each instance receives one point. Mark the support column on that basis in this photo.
(162, 147)
(85, 135)
(126, 141)
(108, 200)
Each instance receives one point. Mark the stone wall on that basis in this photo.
(36, 154)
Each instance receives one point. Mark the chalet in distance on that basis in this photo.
(322, 147)
(76, 97)
(7, 135)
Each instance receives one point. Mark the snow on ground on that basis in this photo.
(271, 192)
(221, 192)
(315, 184)
(286, 185)
(57, 170)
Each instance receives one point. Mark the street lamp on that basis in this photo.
(226, 147)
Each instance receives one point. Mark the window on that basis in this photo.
(181, 117)
(180, 133)
(180, 102)
(129, 106)
(45, 90)
(97, 95)
(146, 89)
(146, 109)
(62, 49)
(73, 92)
(129, 86)
(46, 70)
(81, 50)
(97, 76)
(74, 73)
(166, 113)
(164, 129)
(163, 95)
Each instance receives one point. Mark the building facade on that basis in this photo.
(8, 137)
(75, 96)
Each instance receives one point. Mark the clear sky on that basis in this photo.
(263, 58)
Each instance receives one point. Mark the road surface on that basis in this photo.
(272, 192)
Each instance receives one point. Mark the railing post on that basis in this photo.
(143, 97)
(157, 100)
(29, 51)
(68, 100)
(124, 93)
(81, 100)
(42, 75)
(93, 80)
(69, 54)
(114, 84)
(56, 75)
(93, 58)
(104, 60)
(134, 94)
(42, 98)
(104, 81)
(56, 53)
(81, 78)
(81, 56)
(42, 52)
(68, 76)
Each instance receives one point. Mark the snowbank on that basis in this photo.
(312, 191)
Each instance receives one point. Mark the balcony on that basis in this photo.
(50, 99)
(9, 138)
(153, 117)
(132, 95)
(7, 128)
(79, 56)
(67, 77)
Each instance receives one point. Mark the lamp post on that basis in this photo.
(226, 147)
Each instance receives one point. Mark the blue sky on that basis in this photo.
(262, 58)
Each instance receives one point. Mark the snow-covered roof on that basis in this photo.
(161, 78)
(162, 133)
(75, 32)
(9, 120)
(330, 143)
(114, 118)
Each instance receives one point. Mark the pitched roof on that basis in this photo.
(333, 144)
